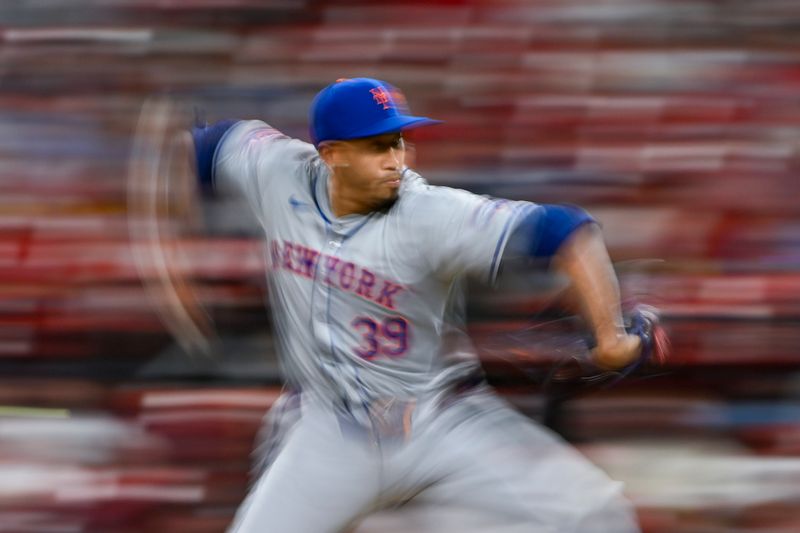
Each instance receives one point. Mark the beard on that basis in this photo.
(385, 205)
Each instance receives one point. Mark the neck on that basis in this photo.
(344, 200)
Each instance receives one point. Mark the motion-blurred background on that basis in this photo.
(676, 123)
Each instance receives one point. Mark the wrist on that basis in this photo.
(608, 337)
(618, 351)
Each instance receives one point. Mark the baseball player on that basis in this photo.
(385, 400)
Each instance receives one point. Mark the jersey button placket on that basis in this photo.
(323, 293)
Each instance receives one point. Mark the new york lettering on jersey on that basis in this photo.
(335, 272)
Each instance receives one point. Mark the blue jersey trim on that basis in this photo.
(357, 228)
(500, 241)
(327, 220)
(316, 201)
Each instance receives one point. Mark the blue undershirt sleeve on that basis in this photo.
(206, 142)
(543, 230)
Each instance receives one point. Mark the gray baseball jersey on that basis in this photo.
(363, 302)
(369, 312)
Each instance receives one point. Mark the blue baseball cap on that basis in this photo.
(352, 108)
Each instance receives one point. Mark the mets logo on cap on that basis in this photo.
(381, 97)
(388, 99)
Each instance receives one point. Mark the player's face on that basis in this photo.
(369, 169)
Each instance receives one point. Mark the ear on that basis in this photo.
(332, 154)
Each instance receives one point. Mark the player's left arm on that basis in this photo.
(584, 259)
(570, 239)
(466, 234)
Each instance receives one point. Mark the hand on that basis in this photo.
(618, 353)
(645, 342)
(163, 209)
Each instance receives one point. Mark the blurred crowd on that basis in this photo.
(675, 123)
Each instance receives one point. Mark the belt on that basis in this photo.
(389, 419)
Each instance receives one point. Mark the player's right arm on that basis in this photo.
(240, 157)
(207, 140)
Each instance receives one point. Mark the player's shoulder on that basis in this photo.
(418, 193)
(258, 132)
(422, 206)
(431, 206)
(416, 189)
(268, 148)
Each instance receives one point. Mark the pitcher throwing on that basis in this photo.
(385, 401)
